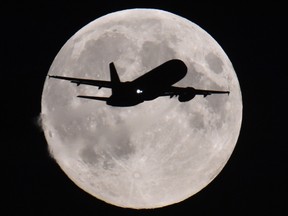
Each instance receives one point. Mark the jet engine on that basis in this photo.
(187, 94)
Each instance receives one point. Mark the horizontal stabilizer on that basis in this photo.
(93, 97)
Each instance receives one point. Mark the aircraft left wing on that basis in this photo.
(79, 81)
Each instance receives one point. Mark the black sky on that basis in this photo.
(255, 179)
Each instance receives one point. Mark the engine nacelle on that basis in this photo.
(187, 94)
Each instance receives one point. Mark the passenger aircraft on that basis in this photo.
(155, 83)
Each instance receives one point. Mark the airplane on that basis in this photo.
(153, 84)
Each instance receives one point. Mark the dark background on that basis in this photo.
(254, 181)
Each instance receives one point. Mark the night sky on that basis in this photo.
(255, 179)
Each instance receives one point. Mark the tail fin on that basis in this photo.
(113, 74)
(115, 80)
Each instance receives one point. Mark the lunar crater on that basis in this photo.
(153, 54)
(214, 62)
(89, 156)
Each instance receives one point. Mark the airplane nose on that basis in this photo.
(183, 67)
(179, 66)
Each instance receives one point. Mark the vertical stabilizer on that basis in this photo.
(115, 81)
(113, 75)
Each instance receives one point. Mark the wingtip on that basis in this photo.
(52, 76)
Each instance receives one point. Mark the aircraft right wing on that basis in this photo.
(79, 81)
(93, 97)
(188, 93)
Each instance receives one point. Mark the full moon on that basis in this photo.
(159, 152)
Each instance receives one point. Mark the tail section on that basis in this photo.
(113, 74)
(115, 80)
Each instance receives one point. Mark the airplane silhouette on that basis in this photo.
(155, 83)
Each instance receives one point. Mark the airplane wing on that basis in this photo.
(79, 81)
(209, 92)
(188, 93)
(93, 97)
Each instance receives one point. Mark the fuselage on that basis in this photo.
(148, 86)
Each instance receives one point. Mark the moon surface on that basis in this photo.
(159, 152)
